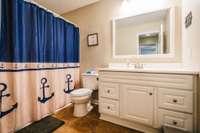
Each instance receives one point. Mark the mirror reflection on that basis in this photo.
(146, 34)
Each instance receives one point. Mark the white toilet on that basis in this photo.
(81, 97)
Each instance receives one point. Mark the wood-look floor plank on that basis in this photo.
(88, 124)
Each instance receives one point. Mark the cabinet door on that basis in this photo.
(137, 103)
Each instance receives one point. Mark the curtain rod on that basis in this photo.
(55, 14)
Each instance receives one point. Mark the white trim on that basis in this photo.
(172, 26)
(62, 108)
(161, 39)
(48, 10)
(172, 39)
(113, 36)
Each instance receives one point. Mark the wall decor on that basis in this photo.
(92, 39)
(188, 20)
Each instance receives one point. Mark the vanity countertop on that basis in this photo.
(161, 71)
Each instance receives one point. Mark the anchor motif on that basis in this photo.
(68, 90)
(44, 86)
(2, 114)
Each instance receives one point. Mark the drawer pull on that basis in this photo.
(108, 91)
(174, 123)
(108, 107)
(150, 93)
(175, 100)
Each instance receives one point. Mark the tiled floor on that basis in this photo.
(88, 124)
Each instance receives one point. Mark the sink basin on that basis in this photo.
(174, 68)
(145, 66)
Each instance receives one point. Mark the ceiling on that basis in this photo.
(63, 6)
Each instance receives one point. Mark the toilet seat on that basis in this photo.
(81, 92)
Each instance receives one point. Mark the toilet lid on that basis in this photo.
(81, 92)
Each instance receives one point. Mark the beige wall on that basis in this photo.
(191, 35)
(191, 41)
(98, 18)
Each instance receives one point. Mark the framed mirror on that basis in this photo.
(144, 35)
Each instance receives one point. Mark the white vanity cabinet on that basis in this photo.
(146, 101)
(137, 103)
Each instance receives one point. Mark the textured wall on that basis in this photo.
(98, 18)
(191, 42)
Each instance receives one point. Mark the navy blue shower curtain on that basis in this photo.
(39, 63)
(31, 34)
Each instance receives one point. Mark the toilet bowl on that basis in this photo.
(81, 98)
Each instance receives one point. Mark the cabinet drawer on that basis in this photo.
(109, 90)
(107, 106)
(176, 100)
(176, 120)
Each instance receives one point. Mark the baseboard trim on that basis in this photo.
(62, 108)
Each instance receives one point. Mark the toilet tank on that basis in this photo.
(90, 81)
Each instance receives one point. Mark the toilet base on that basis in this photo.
(81, 110)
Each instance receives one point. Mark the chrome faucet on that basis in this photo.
(139, 66)
(128, 62)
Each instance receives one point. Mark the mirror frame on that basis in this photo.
(172, 28)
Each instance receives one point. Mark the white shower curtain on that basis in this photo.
(24, 87)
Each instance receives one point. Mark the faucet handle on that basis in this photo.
(136, 66)
(128, 62)
(139, 66)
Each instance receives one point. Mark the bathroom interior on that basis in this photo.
(99, 66)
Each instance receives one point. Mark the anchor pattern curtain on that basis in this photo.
(39, 63)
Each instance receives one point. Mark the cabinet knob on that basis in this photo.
(150, 93)
(108, 91)
(108, 107)
(175, 100)
(174, 123)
